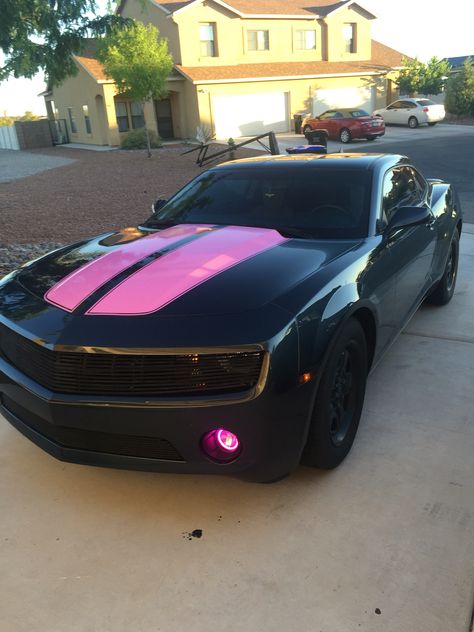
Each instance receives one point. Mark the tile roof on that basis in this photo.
(87, 59)
(269, 7)
(383, 59)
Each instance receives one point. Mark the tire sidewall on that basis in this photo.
(320, 451)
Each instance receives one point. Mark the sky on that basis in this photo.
(421, 28)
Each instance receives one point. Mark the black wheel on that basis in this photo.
(412, 122)
(307, 128)
(444, 290)
(431, 124)
(370, 137)
(339, 401)
(345, 135)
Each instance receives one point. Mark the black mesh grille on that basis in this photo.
(131, 375)
(106, 443)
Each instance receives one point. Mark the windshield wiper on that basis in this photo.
(157, 223)
(295, 231)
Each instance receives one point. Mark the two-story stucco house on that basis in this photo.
(242, 67)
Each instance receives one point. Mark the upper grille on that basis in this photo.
(132, 375)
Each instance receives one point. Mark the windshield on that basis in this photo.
(306, 202)
(358, 113)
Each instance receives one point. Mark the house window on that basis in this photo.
(207, 36)
(305, 40)
(257, 40)
(349, 32)
(72, 120)
(87, 120)
(138, 120)
(122, 116)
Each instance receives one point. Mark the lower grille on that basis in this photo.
(105, 443)
(126, 374)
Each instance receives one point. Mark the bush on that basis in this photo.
(459, 98)
(136, 139)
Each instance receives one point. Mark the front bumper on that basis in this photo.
(136, 435)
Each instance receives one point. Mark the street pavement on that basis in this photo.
(384, 542)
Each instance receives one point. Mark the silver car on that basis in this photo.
(412, 112)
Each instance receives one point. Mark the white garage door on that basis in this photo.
(357, 97)
(250, 114)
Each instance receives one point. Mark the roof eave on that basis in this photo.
(286, 77)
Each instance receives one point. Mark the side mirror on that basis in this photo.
(408, 216)
(155, 207)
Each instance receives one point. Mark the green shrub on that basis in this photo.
(459, 98)
(136, 139)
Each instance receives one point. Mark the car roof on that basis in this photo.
(321, 161)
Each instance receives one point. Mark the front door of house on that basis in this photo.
(164, 119)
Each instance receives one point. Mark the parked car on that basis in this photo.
(232, 332)
(412, 112)
(346, 124)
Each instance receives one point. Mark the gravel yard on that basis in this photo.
(98, 192)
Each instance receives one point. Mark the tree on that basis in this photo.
(419, 78)
(460, 90)
(44, 34)
(139, 63)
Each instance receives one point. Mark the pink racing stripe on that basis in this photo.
(169, 277)
(71, 291)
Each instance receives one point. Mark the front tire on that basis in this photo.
(431, 124)
(307, 128)
(345, 135)
(444, 290)
(412, 122)
(339, 401)
(370, 137)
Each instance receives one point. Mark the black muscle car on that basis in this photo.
(234, 330)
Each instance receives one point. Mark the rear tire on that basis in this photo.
(444, 289)
(345, 135)
(413, 122)
(431, 124)
(339, 401)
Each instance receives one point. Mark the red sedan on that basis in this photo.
(346, 124)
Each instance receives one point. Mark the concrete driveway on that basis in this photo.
(383, 543)
(20, 164)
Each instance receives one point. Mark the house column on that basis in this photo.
(113, 135)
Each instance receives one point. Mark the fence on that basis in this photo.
(8, 137)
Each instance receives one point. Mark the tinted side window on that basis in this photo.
(409, 105)
(395, 105)
(400, 188)
(327, 115)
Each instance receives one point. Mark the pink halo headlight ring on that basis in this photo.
(221, 445)
(227, 440)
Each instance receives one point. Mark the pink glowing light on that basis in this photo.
(227, 440)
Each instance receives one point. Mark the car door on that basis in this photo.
(413, 247)
(391, 112)
(327, 121)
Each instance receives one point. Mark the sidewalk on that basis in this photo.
(383, 543)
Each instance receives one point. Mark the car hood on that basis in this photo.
(180, 278)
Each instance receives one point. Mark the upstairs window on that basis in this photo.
(349, 33)
(305, 40)
(207, 36)
(257, 40)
